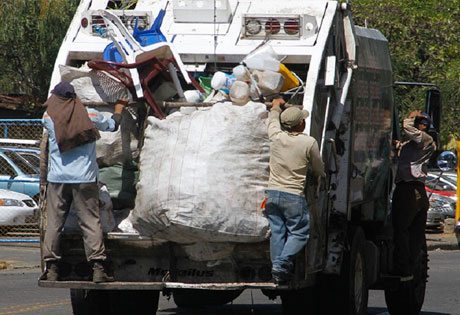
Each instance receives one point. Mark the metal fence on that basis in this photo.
(19, 179)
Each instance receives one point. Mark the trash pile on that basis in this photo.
(260, 74)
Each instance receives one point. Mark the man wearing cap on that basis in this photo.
(72, 176)
(410, 203)
(291, 153)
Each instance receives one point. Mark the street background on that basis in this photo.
(20, 294)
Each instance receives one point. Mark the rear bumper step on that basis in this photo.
(158, 285)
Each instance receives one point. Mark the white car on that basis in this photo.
(16, 208)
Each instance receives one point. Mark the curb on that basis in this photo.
(443, 246)
(445, 241)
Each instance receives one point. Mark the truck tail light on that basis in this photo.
(272, 26)
(278, 26)
(84, 22)
(253, 26)
(291, 27)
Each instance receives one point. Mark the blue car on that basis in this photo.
(20, 171)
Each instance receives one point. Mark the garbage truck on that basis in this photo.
(187, 176)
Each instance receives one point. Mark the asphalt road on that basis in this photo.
(19, 293)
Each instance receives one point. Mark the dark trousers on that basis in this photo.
(409, 210)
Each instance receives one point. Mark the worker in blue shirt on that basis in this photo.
(72, 176)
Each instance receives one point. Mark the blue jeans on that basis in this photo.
(289, 224)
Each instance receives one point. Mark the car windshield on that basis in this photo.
(23, 165)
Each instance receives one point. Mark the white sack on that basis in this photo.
(93, 86)
(119, 146)
(203, 176)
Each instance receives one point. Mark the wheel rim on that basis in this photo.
(358, 283)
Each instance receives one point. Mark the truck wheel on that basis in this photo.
(347, 293)
(192, 298)
(299, 301)
(114, 302)
(89, 302)
(139, 302)
(408, 298)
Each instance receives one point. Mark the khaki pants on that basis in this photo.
(85, 196)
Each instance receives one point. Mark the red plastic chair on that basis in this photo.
(148, 70)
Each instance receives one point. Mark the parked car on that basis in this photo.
(19, 170)
(442, 190)
(16, 209)
(445, 205)
(31, 155)
(445, 186)
(434, 221)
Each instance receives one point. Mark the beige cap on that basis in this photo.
(292, 116)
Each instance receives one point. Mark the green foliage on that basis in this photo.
(31, 32)
(425, 47)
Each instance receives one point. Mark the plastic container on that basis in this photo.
(241, 73)
(263, 58)
(193, 96)
(253, 93)
(239, 93)
(290, 81)
(269, 82)
(222, 81)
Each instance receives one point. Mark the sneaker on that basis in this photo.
(100, 273)
(281, 277)
(52, 271)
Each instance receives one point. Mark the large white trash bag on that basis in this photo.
(203, 176)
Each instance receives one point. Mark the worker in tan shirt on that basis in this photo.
(291, 153)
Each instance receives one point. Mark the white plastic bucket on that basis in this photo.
(239, 93)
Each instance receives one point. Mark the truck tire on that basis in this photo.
(347, 293)
(193, 298)
(297, 302)
(408, 299)
(114, 302)
(89, 302)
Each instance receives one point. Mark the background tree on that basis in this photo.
(31, 32)
(425, 47)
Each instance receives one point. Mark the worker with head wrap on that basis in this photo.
(72, 176)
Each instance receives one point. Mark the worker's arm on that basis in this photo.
(108, 124)
(316, 161)
(274, 125)
(119, 107)
(413, 133)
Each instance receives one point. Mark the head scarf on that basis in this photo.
(72, 125)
